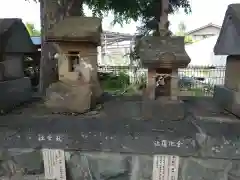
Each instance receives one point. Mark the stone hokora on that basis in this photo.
(163, 56)
(15, 45)
(228, 43)
(76, 40)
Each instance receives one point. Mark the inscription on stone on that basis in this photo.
(163, 143)
(50, 137)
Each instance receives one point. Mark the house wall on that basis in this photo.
(204, 33)
(232, 73)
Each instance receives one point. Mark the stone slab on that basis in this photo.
(227, 99)
(145, 109)
(189, 137)
(14, 92)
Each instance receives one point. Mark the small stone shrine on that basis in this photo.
(228, 43)
(15, 43)
(163, 56)
(76, 40)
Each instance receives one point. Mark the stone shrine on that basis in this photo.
(228, 43)
(163, 56)
(76, 40)
(15, 43)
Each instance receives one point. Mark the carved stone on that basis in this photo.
(164, 52)
(76, 40)
(76, 29)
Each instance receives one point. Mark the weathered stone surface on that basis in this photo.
(145, 110)
(165, 52)
(21, 164)
(223, 96)
(69, 97)
(228, 40)
(77, 74)
(109, 166)
(124, 167)
(163, 107)
(122, 148)
(227, 99)
(77, 28)
(14, 92)
(232, 74)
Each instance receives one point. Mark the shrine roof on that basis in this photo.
(76, 29)
(228, 42)
(14, 36)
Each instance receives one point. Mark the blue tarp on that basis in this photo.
(36, 40)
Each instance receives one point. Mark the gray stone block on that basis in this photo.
(145, 110)
(227, 99)
(14, 92)
(223, 96)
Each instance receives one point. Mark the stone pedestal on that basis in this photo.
(69, 96)
(232, 73)
(14, 92)
(227, 99)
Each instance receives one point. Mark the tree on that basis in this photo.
(182, 28)
(32, 30)
(182, 32)
(147, 11)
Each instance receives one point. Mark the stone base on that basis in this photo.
(227, 99)
(160, 109)
(14, 92)
(70, 97)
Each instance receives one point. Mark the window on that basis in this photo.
(73, 59)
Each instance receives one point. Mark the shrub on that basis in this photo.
(111, 81)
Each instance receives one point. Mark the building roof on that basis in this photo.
(203, 27)
(77, 28)
(36, 40)
(228, 42)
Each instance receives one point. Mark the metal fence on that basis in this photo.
(193, 80)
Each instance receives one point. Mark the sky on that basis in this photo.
(203, 12)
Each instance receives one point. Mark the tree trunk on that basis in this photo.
(163, 24)
(52, 11)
